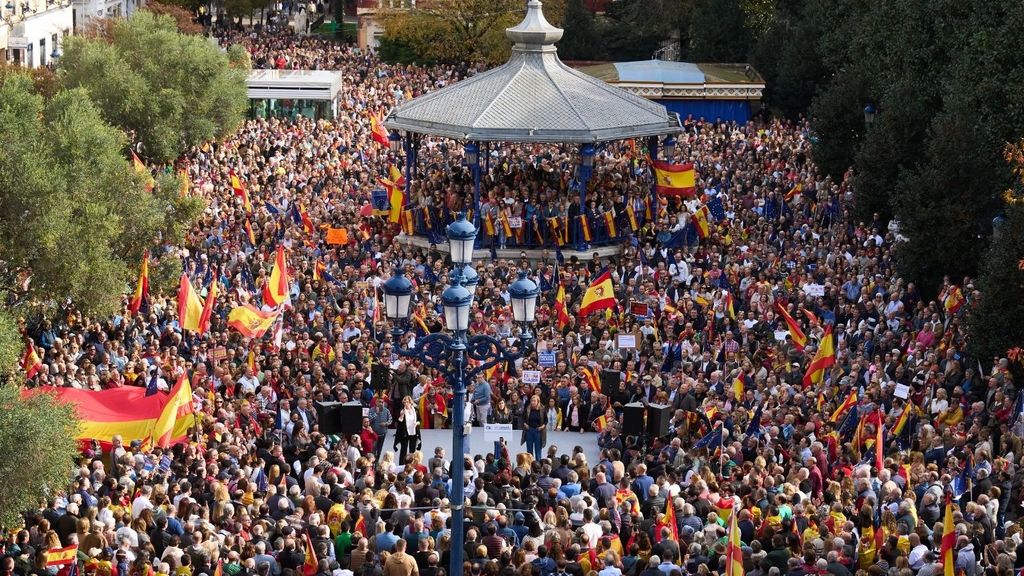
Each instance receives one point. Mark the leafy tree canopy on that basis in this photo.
(166, 89)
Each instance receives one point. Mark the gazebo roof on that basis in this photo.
(533, 97)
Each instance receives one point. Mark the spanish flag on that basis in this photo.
(850, 402)
(674, 179)
(190, 306)
(179, 406)
(488, 224)
(185, 183)
(249, 234)
(360, 527)
(609, 222)
(631, 214)
(948, 542)
(311, 565)
(901, 421)
(275, 291)
(377, 130)
(585, 227)
(561, 310)
(211, 299)
(670, 518)
(591, 379)
(61, 556)
(555, 233)
(701, 219)
(30, 361)
(250, 321)
(307, 224)
(142, 288)
(954, 300)
(241, 191)
(396, 199)
(600, 295)
(147, 176)
(798, 336)
(738, 388)
(600, 423)
(824, 359)
(408, 223)
(733, 549)
(729, 308)
(505, 225)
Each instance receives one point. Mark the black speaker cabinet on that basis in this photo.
(633, 419)
(609, 381)
(351, 418)
(328, 415)
(658, 419)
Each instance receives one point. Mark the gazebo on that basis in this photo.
(532, 98)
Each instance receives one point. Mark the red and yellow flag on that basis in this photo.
(600, 295)
(506, 226)
(179, 405)
(561, 310)
(61, 556)
(142, 288)
(901, 421)
(488, 224)
(408, 223)
(674, 179)
(702, 220)
(147, 176)
(670, 518)
(730, 309)
(591, 378)
(311, 565)
(954, 301)
(241, 191)
(738, 388)
(30, 361)
(275, 291)
(948, 542)
(824, 359)
(850, 402)
(600, 423)
(798, 336)
(631, 215)
(190, 306)
(307, 224)
(250, 321)
(249, 234)
(377, 130)
(585, 227)
(211, 299)
(609, 222)
(733, 549)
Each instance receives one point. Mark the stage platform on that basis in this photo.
(478, 443)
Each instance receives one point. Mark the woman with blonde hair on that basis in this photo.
(407, 429)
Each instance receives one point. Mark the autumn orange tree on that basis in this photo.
(996, 322)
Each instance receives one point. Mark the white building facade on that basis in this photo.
(32, 32)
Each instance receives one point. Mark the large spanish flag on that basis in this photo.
(30, 361)
(561, 310)
(275, 291)
(600, 295)
(675, 179)
(190, 306)
(824, 359)
(250, 321)
(733, 549)
(142, 288)
(798, 336)
(126, 412)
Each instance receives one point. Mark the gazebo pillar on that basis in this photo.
(652, 150)
(586, 171)
(472, 151)
(409, 160)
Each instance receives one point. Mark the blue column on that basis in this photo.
(652, 150)
(586, 170)
(458, 467)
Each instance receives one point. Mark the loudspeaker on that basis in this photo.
(609, 381)
(351, 418)
(658, 417)
(633, 419)
(328, 415)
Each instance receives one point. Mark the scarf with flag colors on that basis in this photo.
(561, 310)
(795, 333)
(311, 565)
(190, 305)
(141, 288)
(275, 291)
(250, 321)
(733, 549)
(702, 221)
(30, 361)
(954, 300)
(241, 192)
(631, 216)
(674, 179)
(377, 130)
(609, 222)
(600, 295)
(585, 228)
(824, 359)
(850, 402)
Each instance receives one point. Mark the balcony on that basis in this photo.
(370, 6)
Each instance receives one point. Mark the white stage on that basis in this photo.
(477, 443)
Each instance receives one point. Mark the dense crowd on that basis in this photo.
(261, 483)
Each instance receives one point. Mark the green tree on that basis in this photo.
(37, 450)
(583, 39)
(168, 90)
(719, 32)
(74, 215)
(636, 29)
(994, 321)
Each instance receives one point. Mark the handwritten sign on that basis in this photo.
(531, 376)
(515, 222)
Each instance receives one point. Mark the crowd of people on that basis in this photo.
(260, 490)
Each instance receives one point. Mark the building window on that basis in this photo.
(42, 51)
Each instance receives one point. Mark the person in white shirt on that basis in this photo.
(142, 502)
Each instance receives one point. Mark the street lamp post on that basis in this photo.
(451, 353)
(670, 148)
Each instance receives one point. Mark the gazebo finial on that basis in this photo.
(534, 33)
